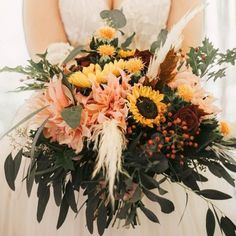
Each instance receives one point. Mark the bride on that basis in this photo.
(73, 21)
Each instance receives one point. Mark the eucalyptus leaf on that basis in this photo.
(114, 18)
(128, 41)
(72, 116)
(160, 40)
(76, 51)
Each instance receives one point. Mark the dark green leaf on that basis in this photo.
(150, 215)
(65, 160)
(102, 219)
(227, 226)
(214, 194)
(17, 162)
(218, 170)
(210, 223)
(114, 18)
(9, 168)
(230, 167)
(136, 196)
(63, 212)
(30, 180)
(43, 195)
(114, 42)
(72, 116)
(70, 197)
(148, 182)
(73, 54)
(57, 191)
(124, 211)
(128, 41)
(91, 207)
(166, 205)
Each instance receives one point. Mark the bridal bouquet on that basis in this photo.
(116, 123)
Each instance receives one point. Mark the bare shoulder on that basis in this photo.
(42, 24)
(194, 31)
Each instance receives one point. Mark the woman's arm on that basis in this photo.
(42, 24)
(194, 30)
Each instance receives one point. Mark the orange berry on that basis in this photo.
(170, 114)
(167, 139)
(150, 142)
(164, 132)
(195, 145)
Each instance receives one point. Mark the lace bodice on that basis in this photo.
(145, 17)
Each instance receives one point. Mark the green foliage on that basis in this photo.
(128, 41)
(114, 18)
(75, 52)
(38, 73)
(72, 116)
(208, 61)
(160, 41)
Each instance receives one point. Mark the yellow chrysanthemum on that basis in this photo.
(134, 65)
(80, 80)
(186, 92)
(106, 33)
(94, 72)
(115, 67)
(224, 128)
(146, 105)
(106, 50)
(126, 53)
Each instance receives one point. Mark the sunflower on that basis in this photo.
(146, 105)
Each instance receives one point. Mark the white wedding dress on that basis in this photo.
(18, 213)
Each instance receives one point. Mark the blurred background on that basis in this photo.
(220, 27)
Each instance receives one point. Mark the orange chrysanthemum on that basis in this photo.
(106, 33)
(106, 50)
(134, 65)
(224, 128)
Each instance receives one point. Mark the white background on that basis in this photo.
(220, 23)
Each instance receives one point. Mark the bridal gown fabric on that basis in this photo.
(18, 212)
